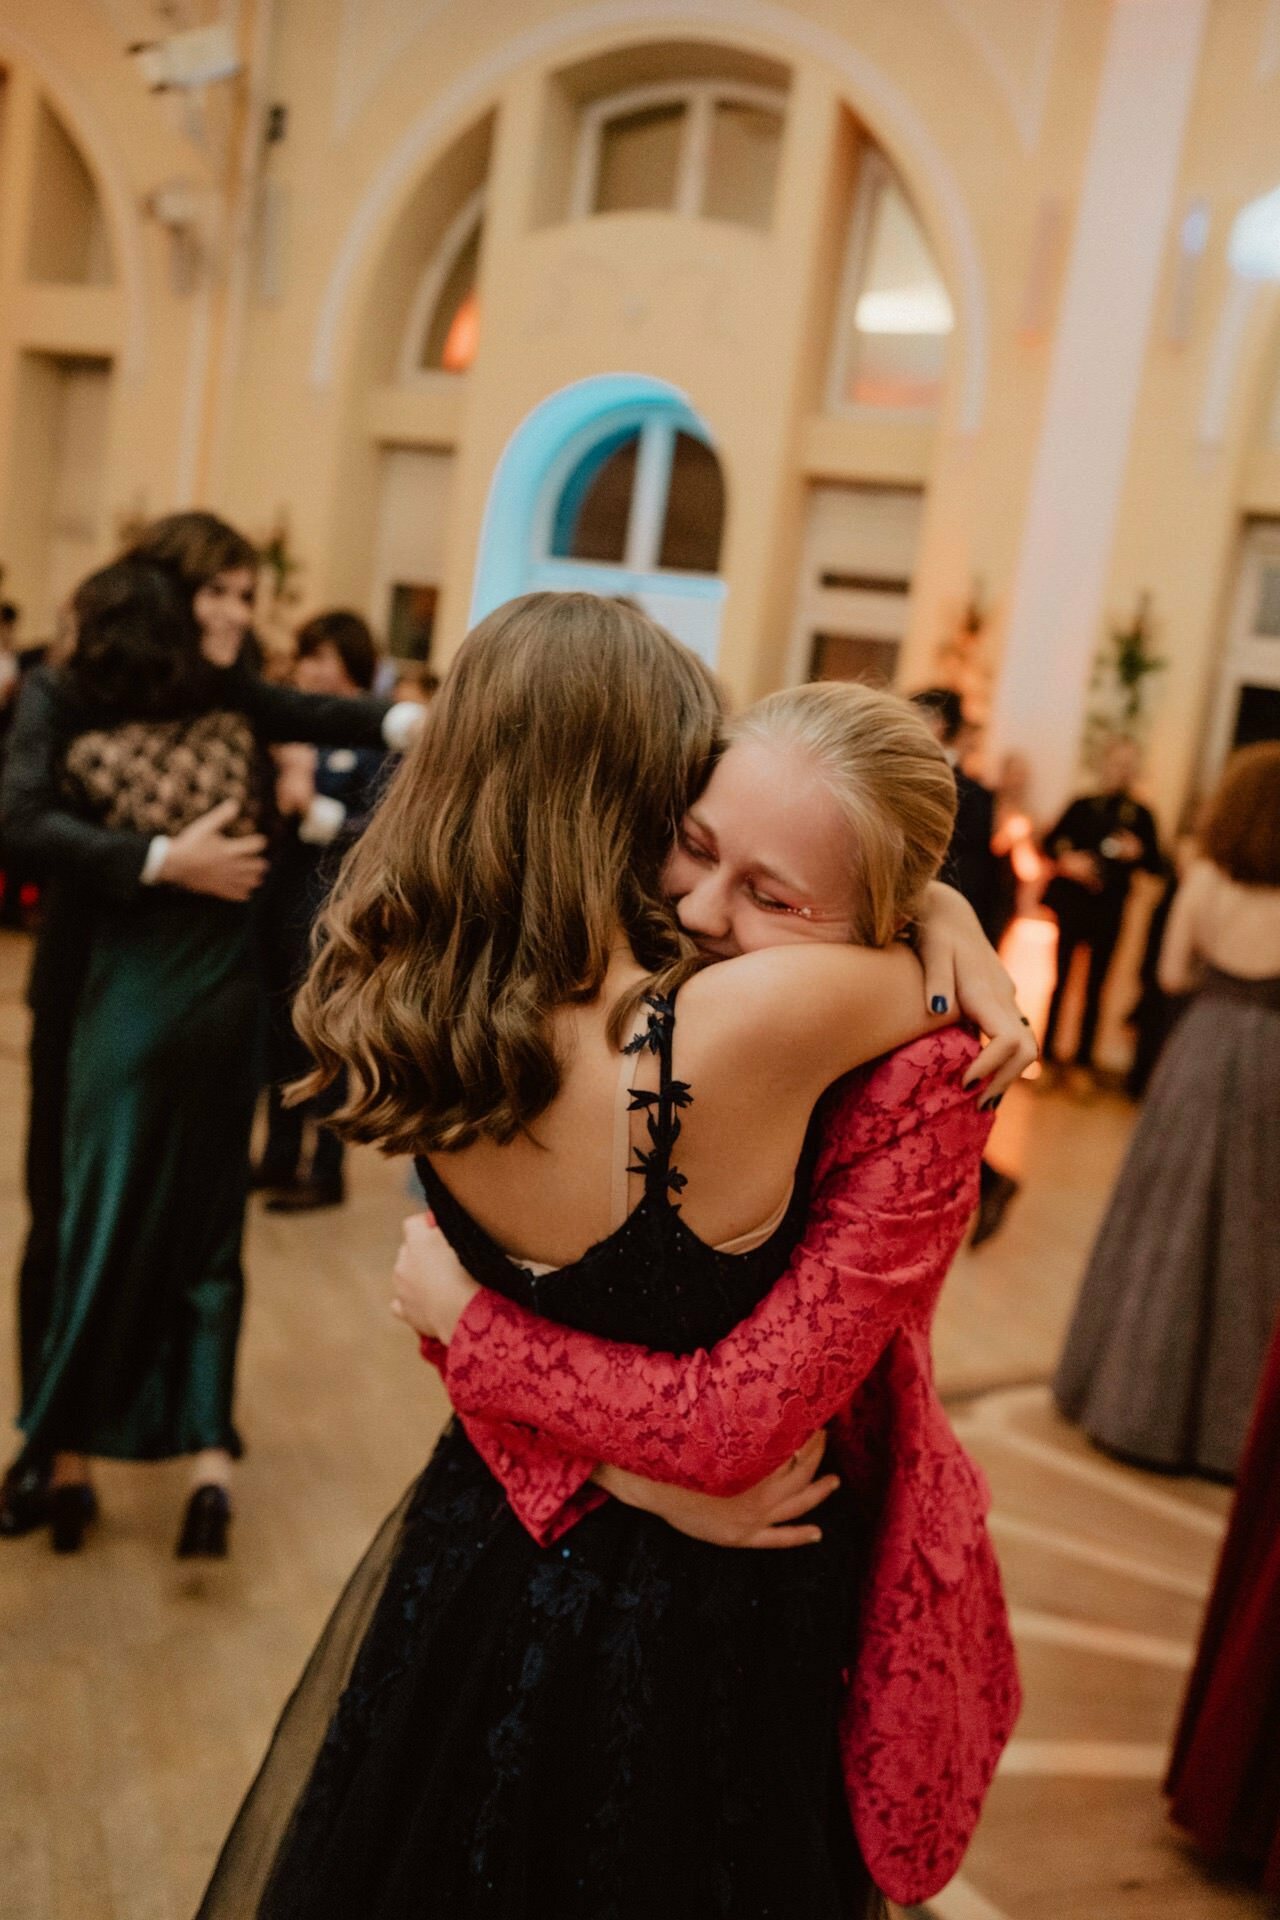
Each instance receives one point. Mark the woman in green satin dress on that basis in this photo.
(139, 1360)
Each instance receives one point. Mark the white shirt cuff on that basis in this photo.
(154, 861)
(322, 822)
(402, 723)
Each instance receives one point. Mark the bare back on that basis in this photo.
(549, 1198)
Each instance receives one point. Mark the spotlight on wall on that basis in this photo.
(195, 58)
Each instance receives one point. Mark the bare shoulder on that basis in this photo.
(778, 989)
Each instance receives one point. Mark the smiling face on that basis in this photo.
(223, 608)
(762, 857)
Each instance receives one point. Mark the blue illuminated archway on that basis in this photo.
(517, 537)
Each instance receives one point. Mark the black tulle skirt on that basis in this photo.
(627, 1724)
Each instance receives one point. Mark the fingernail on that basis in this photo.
(939, 1003)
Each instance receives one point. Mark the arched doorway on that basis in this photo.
(612, 486)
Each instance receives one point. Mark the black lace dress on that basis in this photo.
(625, 1725)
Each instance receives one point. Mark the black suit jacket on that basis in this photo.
(970, 865)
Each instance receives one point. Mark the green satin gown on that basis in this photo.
(139, 1363)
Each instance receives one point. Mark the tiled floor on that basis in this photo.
(137, 1692)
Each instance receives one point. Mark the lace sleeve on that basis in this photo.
(547, 1488)
(897, 1183)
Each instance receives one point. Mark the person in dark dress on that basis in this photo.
(628, 1722)
(1167, 1342)
(326, 796)
(110, 879)
(974, 868)
(82, 867)
(1223, 1782)
(1099, 843)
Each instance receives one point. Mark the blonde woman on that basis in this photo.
(819, 823)
(627, 1721)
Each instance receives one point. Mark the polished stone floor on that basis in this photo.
(137, 1691)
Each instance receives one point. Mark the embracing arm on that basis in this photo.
(806, 1014)
(894, 1196)
(39, 828)
(281, 714)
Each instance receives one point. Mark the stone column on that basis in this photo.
(1057, 611)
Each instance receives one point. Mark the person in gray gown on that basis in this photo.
(1182, 1291)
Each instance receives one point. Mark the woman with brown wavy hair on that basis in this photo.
(626, 1723)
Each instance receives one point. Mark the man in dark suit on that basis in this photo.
(1099, 843)
(973, 870)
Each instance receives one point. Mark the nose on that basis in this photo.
(704, 910)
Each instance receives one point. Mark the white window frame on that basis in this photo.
(875, 171)
(657, 427)
(699, 98)
(456, 236)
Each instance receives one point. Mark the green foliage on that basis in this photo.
(1124, 670)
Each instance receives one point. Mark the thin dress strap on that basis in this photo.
(620, 1194)
(661, 1108)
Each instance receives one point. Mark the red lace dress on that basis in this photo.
(841, 1340)
(1224, 1778)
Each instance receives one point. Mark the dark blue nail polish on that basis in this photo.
(939, 1003)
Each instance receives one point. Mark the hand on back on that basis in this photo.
(205, 858)
(770, 1515)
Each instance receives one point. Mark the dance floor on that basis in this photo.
(137, 1691)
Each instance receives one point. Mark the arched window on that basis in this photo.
(444, 323)
(648, 496)
(67, 240)
(611, 486)
(895, 316)
(703, 148)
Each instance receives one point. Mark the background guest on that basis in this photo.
(1166, 1346)
(973, 866)
(1224, 1781)
(97, 874)
(1096, 847)
(325, 795)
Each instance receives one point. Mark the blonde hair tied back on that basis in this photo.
(891, 780)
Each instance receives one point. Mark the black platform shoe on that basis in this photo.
(24, 1498)
(72, 1511)
(205, 1524)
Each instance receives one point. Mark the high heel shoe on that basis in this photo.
(205, 1524)
(73, 1508)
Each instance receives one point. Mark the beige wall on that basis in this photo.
(272, 385)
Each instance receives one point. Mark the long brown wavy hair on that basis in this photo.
(523, 837)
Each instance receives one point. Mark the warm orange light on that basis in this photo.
(463, 337)
(1029, 951)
